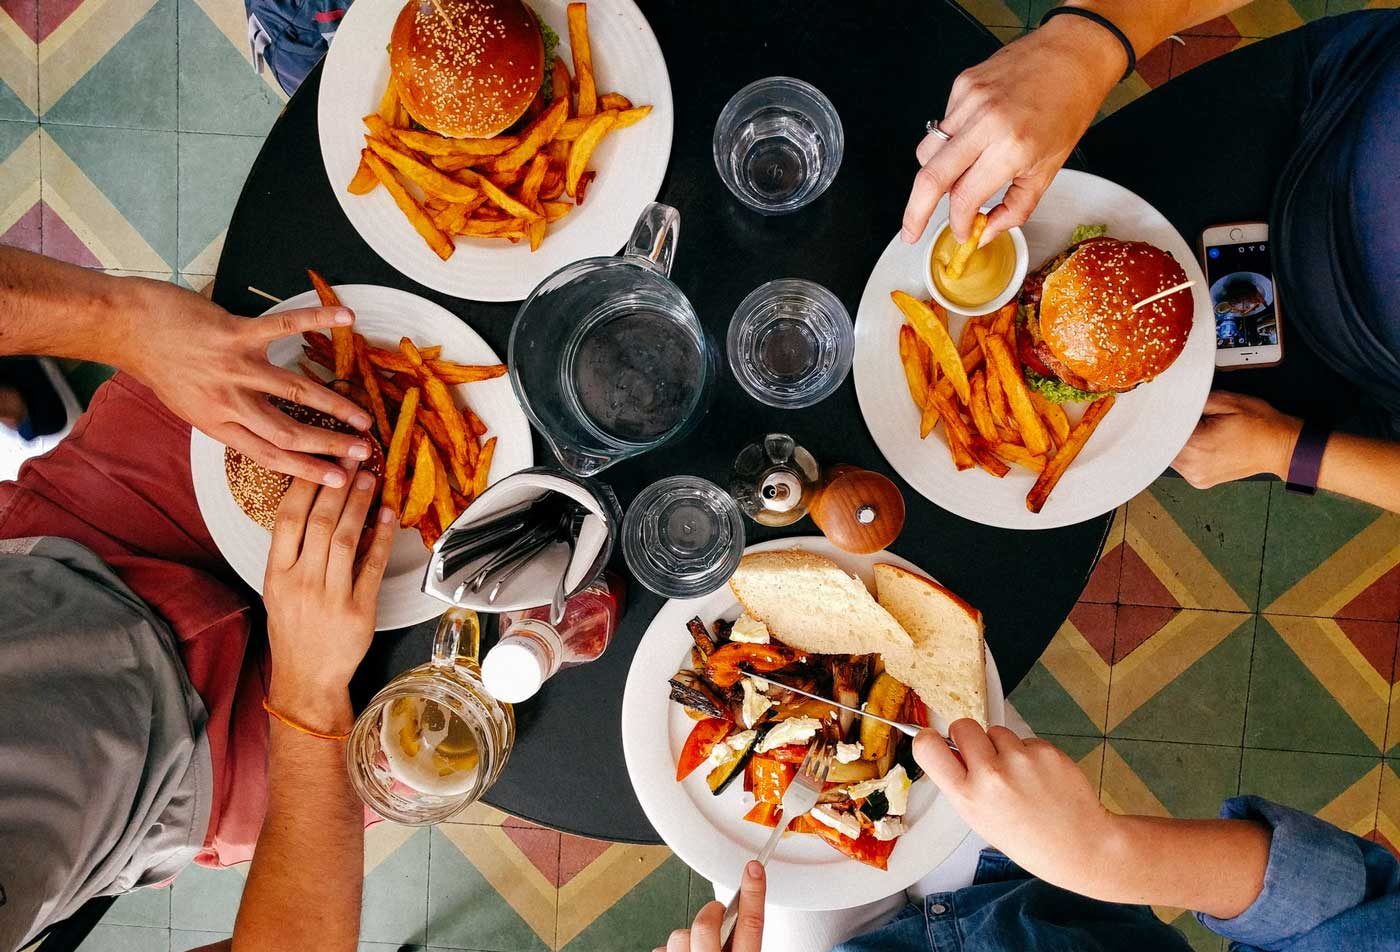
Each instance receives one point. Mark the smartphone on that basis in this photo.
(1240, 272)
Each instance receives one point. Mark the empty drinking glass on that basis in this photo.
(683, 537)
(778, 144)
(790, 343)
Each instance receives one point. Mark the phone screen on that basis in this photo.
(1241, 280)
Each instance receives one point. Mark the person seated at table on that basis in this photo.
(132, 665)
(1335, 225)
(1066, 873)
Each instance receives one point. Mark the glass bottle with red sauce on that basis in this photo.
(530, 650)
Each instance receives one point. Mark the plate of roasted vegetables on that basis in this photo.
(711, 743)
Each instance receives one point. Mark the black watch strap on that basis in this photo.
(1102, 21)
(1306, 462)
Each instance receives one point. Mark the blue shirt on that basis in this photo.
(1324, 891)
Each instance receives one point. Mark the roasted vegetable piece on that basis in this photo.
(764, 814)
(905, 758)
(886, 699)
(723, 775)
(770, 778)
(727, 663)
(788, 754)
(867, 849)
(701, 635)
(854, 772)
(722, 629)
(875, 806)
(702, 739)
(691, 691)
(848, 677)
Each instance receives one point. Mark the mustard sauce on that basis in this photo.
(987, 274)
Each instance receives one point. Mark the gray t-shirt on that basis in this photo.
(105, 776)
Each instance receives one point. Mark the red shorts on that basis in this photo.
(120, 485)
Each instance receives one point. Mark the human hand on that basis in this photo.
(1013, 118)
(703, 935)
(320, 604)
(211, 369)
(1237, 436)
(1025, 797)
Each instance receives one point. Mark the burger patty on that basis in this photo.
(1035, 354)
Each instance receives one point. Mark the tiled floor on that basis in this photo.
(1234, 640)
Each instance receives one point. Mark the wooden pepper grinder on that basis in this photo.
(776, 482)
(858, 510)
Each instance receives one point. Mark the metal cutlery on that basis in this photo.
(909, 730)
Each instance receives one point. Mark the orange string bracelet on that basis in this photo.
(302, 728)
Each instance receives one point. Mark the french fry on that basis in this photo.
(535, 232)
(1053, 414)
(534, 178)
(389, 103)
(402, 120)
(581, 190)
(442, 489)
(968, 340)
(448, 371)
(430, 143)
(560, 81)
(476, 228)
(957, 448)
(1004, 319)
(582, 150)
(309, 372)
(441, 244)
(452, 218)
(439, 398)
(981, 413)
(396, 460)
(429, 529)
(1018, 454)
(505, 203)
(438, 434)
(434, 182)
(614, 101)
(1074, 443)
(372, 391)
(379, 128)
(984, 457)
(535, 137)
(422, 487)
(935, 335)
(363, 181)
(1033, 431)
(996, 399)
(954, 269)
(553, 211)
(460, 501)
(625, 117)
(457, 163)
(583, 59)
(474, 422)
(483, 468)
(915, 373)
(342, 338)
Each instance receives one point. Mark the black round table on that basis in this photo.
(884, 65)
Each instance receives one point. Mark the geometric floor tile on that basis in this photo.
(1321, 684)
(141, 907)
(1388, 818)
(1180, 675)
(1104, 580)
(19, 185)
(492, 888)
(1339, 788)
(1151, 778)
(182, 940)
(1200, 938)
(395, 907)
(702, 893)
(1066, 691)
(109, 196)
(1087, 752)
(212, 169)
(206, 900)
(219, 92)
(994, 13)
(1330, 556)
(1193, 548)
(640, 918)
(19, 59)
(113, 938)
(1392, 738)
(108, 63)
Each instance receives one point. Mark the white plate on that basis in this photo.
(709, 832)
(1136, 441)
(382, 315)
(630, 162)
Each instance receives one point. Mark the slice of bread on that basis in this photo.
(947, 665)
(810, 603)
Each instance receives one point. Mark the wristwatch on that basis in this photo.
(1306, 461)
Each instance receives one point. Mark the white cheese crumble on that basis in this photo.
(794, 730)
(728, 748)
(750, 631)
(889, 827)
(848, 753)
(843, 823)
(755, 704)
(895, 785)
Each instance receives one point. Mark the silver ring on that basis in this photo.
(933, 129)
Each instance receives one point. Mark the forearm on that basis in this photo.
(1362, 468)
(1211, 866)
(1147, 23)
(304, 886)
(53, 309)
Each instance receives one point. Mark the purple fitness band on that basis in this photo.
(1307, 458)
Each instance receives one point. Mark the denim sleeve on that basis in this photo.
(1323, 888)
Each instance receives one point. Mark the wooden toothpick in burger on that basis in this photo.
(1161, 294)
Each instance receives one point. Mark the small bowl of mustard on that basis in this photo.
(992, 277)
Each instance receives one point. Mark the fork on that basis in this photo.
(801, 796)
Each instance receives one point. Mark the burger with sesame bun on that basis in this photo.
(259, 491)
(1080, 337)
(469, 68)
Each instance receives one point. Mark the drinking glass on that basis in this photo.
(433, 740)
(778, 144)
(790, 343)
(608, 357)
(683, 537)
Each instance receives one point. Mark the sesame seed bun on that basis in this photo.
(1087, 322)
(258, 490)
(466, 68)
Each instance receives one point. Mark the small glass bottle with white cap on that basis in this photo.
(530, 650)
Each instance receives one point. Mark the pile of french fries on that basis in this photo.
(435, 463)
(509, 187)
(977, 389)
